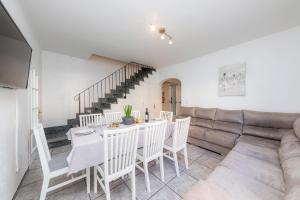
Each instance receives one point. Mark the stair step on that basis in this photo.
(101, 105)
(108, 100)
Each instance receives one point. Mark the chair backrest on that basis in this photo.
(111, 117)
(91, 119)
(154, 138)
(181, 132)
(166, 115)
(120, 147)
(136, 114)
(42, 147)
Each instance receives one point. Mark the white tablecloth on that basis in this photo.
(87, 150)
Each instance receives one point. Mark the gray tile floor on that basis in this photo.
(201, 164)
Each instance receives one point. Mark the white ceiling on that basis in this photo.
(120, 28)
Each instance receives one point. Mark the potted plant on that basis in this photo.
(128, 119)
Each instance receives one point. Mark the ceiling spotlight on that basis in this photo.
(162, 32)
(152, 27)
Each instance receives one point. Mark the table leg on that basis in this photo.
(88, 180)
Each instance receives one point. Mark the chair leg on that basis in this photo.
(176, 162)
(133, 184)
(162, 170)
(95, 180)
(107, 190)
(186, 158)
(146, 171)
(88, 180)
(44, 189)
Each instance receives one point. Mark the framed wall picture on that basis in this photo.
(232, 80)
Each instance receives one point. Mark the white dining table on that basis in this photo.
(88, 150)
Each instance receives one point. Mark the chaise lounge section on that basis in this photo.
(263, 164)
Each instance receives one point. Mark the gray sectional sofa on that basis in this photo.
(263, 154)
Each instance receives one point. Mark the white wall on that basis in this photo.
(63, 78)
(15, 115)
(273, 80)
(145, 95)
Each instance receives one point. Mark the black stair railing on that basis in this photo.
(105, 86)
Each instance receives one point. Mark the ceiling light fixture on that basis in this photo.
(162, 32)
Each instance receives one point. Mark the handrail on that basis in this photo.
(108, 83)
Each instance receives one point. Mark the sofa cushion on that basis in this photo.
(197, 132)
(195, 121)
(259, 170)
(289, 137)
(228, 126)
(270, 133)
(241, 187)
(221, 138)
(291, 171)
(186, 111)
(297, 127)
(274, 144)
(293, 194)
(259, 152)
(270, 120)
(235, 116)
(289, 150)
(205, 113)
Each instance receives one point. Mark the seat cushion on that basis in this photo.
(256, 169)
(197, 132)
(274, 144)
(222, 138)
(59, 161)
(289, 150)
(291, 171)
(241, 187)
(228, 127)
(266, 154)
(195, 121)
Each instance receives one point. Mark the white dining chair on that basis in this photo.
(166, 115)
(120, 147)
(153, 137)
(91, 119)
(52, 167)
(111, 117)
(136, 114)
(178, 142)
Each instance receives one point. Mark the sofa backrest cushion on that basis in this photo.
(229, 121)
(269, 133)
(268, 125)
(186, 111)
(270, 120)
(205, 113)
(234, 116)
(297, 127)
(293, 194)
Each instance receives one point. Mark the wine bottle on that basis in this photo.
(146, 115)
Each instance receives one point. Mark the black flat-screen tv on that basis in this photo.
(15, 53)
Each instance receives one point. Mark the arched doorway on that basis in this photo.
(171, 95)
